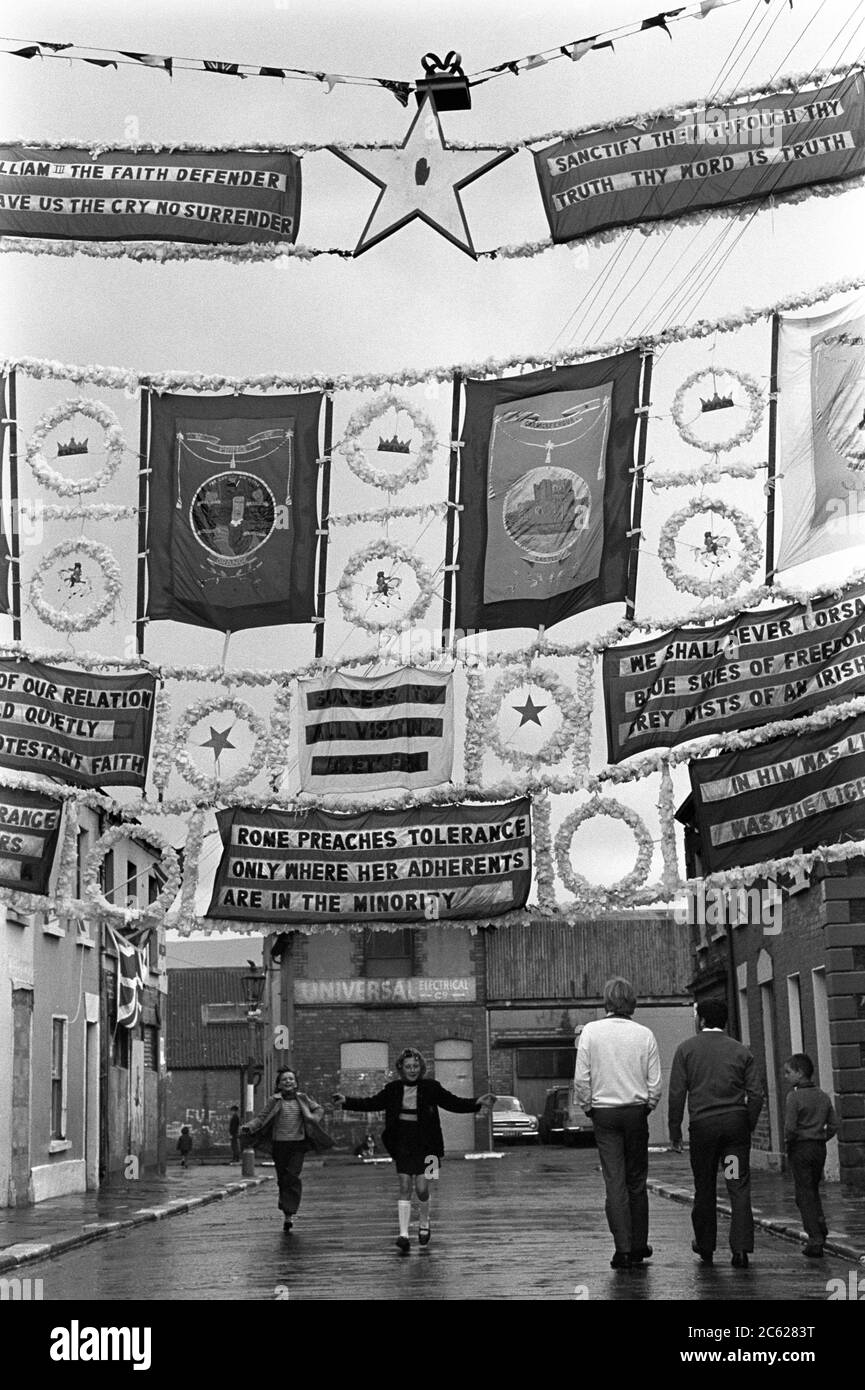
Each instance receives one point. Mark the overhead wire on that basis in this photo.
(607, 321)
(676, 303)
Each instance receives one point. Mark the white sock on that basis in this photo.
(404, 1209)
(423, 1210)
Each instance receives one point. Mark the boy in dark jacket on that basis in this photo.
(809, 1121)
(184, 1146)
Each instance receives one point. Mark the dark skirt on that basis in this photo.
(409, 1153)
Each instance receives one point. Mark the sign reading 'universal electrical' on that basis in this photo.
(91, 730)
(417, 989)
(789, 794)
(205, 196)
(703, 158)
(425, 863)
(757, 667)
(29, 830)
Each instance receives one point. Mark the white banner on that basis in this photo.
(821, 457)
(363, 734)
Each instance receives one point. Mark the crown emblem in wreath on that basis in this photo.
(395, 445)
(716, 402)
(74, 446)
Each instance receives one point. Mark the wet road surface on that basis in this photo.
(528, 1226)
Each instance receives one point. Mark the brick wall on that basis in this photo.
(319, 1031)
(845, 970)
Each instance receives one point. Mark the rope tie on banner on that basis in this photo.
(456, 444)
(636, 532)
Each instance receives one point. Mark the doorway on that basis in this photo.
(454, 1069)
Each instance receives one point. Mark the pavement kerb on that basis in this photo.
(26, 1252)
(767, 1223)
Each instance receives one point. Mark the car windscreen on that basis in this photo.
(507, 1103)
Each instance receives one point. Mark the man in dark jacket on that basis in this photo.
(412, 1133)
(719, 1077)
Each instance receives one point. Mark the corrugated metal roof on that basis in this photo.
(190, 1042)
(556, 960)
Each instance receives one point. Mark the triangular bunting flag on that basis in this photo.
(150, 60)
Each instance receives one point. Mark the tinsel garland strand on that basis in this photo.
(120, 379)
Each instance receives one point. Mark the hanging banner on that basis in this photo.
(821, 366)
(756, 667)
(361, 734)
(791, 794)
(202, 196)
(545, 486)
(29, 830)
(5, 551)
(703, 158)
(232, 519)
(425, 863)
(92, 731)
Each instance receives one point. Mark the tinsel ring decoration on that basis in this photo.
(49, 476)
(356, 456)
(384, 550)
(720, 586)
(201, 709)
(558, 743)
(91, 889)
(594, 895)
(756, 406)
(60, 618)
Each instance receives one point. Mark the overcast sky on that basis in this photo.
(414, 300)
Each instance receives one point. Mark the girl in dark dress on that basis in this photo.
(412, 1134)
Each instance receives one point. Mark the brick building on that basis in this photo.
(546, 978)
(790, 963)
(350, 1001)
(207, 1051)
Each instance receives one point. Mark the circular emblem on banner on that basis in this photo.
(713, 553)
(546, 511)
(232, 515)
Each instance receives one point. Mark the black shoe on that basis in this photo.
(423, 1235)
(287, 1224)
(705, 1255)
(813, 1251)
(637, 1256)
(621, 1260)
(739, 1260)
(403, 1244)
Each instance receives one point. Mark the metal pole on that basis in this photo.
(773, 432)
(143, 490)
(448, 585)
(322, 540)
(640, 467)
(14, 514)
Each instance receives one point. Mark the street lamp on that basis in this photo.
(253, 993)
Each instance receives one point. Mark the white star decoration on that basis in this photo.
(422, 178)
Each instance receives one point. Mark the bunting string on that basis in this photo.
(401, 89)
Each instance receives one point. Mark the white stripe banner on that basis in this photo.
(358, 733)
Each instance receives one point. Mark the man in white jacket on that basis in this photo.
(618, 1082)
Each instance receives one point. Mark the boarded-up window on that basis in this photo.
(552, 1062)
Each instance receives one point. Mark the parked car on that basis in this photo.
(563, 1121)
(511, 1122)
